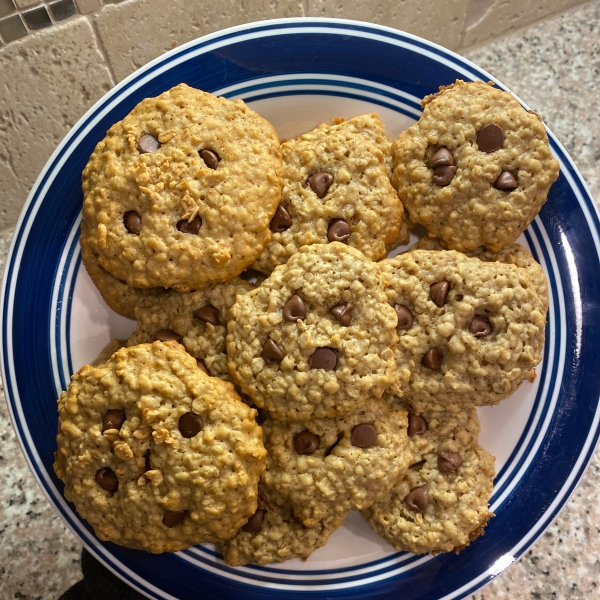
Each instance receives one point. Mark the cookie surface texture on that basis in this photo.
(155, 454)
(119, 296)
(180, 193)
(198, 321)
(296, 358)
(331, 466)
(279, 536)
(432, 510)
(475, 169)
(336, 184)
(511, 254)
(475, 332)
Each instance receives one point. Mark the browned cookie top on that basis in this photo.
(180, 193)
(476, 168)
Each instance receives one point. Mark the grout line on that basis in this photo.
(102, 49)
(522, 28)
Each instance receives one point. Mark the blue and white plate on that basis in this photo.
(298, 73)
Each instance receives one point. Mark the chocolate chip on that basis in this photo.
(338, 230)
(506, 181)
(132, 222)
(107, 479)
(418, 499)
(210, 157)
(148, 143)
(363, 435)
(442, 176)
(272, 353)
(190, 424)
(147, 463)
(294, 309)
(405, 318)
(202, 366)
(320, 182)
(442, 158)
(281, 220)
(173, 517)
(417, 425)
(306, 442)
(490, 138)
(208, 314)
(113, 419)
(480, 326)
(439, 292)
(343, 312)
(433, 359)
(166, 335)
(253, 277)
(449, 461)
(255, 522)
(323, 358)
(192, 227)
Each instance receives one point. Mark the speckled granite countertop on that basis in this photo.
(555, 68)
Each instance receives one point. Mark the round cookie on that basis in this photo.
(476, 168)
(198, 320)
(441, 505)
(155, 454)
(180, 193)
(326, 466)
(336, 187)
(274, 535)
(316, 337)
(469, 331)
(511, 254)
(119, 296)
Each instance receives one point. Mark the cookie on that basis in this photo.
(155, 454)
(327, 466)
(475, 169)
(180, 193)
(119, 296)
(316, 337)
(441, 504)
(511, 254)
(470, 332)
(274, 535)
(197, 320)
(441, 431)
(336, 187)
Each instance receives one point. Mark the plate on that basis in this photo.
(298, 73)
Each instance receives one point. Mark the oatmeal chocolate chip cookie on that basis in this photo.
(197, 320)
(119, 296)
(440, 431)
(511, 254)
(336, 188)
(155, 454)
(476, 168)
(331, 466)
(469, 331)
(441, 504)
(316, 337)
(180, 193)
(274, 535)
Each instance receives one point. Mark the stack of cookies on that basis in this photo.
(283, 371)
